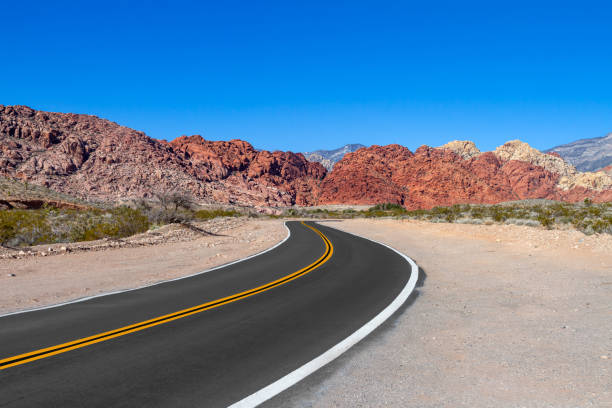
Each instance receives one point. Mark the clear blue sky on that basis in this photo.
(298, 77)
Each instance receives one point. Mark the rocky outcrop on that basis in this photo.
(521, 151)
(93, 158)
(570, 177)
(455, 174)
(241, 167)
(463, 148)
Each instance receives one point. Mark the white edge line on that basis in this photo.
(304, 371)
(84, 299)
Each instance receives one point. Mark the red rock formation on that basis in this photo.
(240, 164)
(440, 177)
(93, 158)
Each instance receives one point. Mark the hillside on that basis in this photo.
(93, 158)
(457, 173)
(587, 154)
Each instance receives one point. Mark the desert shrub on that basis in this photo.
(602, 225)
(498, 214)
(48, 225)
(161, 216)
(561, 209)
(8, 227)
(24, 227)
(477, 212)
(209, 214)
(387, 207)
(119, 222)
(168, 208)
(292, 212)
(546, 220)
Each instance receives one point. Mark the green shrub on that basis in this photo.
(546, 220)
(387, 207)
(209, 214)
(8, 228)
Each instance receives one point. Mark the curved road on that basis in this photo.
(209, 340)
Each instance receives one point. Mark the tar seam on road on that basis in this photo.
(87, 341)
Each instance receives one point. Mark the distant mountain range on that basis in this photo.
(94, 159)
(587, 154)
(330, 157)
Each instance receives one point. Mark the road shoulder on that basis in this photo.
(507, 316)
(41, 281)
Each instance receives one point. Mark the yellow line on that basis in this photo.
(122, 331)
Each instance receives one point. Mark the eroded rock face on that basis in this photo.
(463, 148)
(456, 174)
(93, 158)
(521, 151)
(241, 166)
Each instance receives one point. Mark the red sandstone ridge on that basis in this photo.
(93, 158)
(439, 177)
(240, 165)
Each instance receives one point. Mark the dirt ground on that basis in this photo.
(507, 316)
(73, 271)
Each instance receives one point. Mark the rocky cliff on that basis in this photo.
(457, 173)
(246, 170)
(93, 158)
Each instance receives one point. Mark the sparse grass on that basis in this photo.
(52, 225)
(586, 216)
(210, 214)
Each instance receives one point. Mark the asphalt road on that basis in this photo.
(214, 357)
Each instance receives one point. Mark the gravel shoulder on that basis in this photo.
(52, 274)
(507, 316)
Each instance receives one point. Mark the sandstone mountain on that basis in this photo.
(457, 173)
(329, 158)
(93, 158)
(587, 154)
(259, 174)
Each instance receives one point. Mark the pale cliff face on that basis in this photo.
(463, 148)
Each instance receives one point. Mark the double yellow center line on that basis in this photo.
(97, 338)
